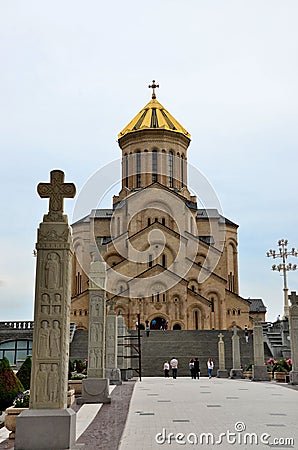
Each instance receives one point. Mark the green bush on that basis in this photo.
(10, 385)
(24, 373)
(79, 365)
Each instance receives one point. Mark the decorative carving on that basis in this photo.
(42, 392)
(52, 271)
(55, 339)
(52, 235)
(45, 305)
(43, 344)
(56, 191)
(53, 381)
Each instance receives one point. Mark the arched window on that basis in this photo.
(164, 260)
(150, 260)
(149, 221)
(163, 221)
(196, 319)
(154, 166)
(171, 170)
(138, 169)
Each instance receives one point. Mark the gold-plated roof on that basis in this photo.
(153, 116)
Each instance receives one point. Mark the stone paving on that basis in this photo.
(232, 411)
(185, 413)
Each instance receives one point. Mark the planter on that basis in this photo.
(280, 377)
(70, 397)
(76, 385)
(10, 420)
(248, 374)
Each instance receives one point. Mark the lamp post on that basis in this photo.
(283, 253)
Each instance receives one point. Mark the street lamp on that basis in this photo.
(283, 267)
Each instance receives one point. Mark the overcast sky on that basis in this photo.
(73, 74)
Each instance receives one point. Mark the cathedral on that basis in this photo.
(168, 258)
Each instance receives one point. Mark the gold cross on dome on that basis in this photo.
(153, 86)
(56, 191)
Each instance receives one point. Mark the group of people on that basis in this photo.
(173, 364)
(194, 367)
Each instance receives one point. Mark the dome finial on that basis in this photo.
(153, 86)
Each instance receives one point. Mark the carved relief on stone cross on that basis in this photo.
(43, 342)
(52, 271)
(42, 391)
(94, 332)
(95, 307)
(55, 334)
(98, 354)
(52, 235)
(45, 304)
(92, 362)
(53, 382)
(57, 304)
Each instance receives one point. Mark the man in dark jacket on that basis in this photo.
(196, 368)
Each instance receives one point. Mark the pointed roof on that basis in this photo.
(153, 116)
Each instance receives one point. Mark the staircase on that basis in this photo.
(275, 335)
(79, 346)
(164, 345)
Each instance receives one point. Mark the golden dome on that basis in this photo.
(153, 116)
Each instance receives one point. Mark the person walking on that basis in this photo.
(147, 328)
(166, 369)
(246, 334)
(210, 366)
(174, 366)
(191, 368)
(196, 368)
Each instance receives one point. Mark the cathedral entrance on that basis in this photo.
(155, 323)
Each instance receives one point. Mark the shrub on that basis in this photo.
(79, 365)
(24, 373)
(10, 385)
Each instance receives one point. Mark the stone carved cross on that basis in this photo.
(153, 86)
(56, 191)
(220, 337)
(293, 298)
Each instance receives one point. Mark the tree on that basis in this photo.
(24, 373)
(10, 385)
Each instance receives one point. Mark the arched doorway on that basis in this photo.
(177, 326)
(156, 322)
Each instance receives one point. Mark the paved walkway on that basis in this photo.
(231, 411)
(185, 413)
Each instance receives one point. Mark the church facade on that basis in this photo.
(167, 259)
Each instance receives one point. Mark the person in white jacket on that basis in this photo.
(210, 366)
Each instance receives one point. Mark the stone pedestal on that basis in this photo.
(221, 372)
(236, 371)
(95, 390)
(39, 429)
(259, 373)
(293, 377)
